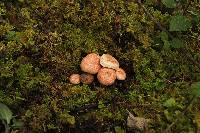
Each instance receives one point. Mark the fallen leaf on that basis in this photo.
(136, 122)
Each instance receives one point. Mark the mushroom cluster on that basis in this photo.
(106, 67)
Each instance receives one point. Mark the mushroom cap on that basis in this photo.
(91, 63)
(121, 74)
(87, 78)
(106, 76)
(75, 79)
(109, 61)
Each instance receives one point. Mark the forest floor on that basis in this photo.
(157, 43)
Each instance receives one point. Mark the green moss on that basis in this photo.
(42, 43)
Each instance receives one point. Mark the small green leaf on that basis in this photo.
(167, 45)
(11, 35)
(170, 103)
(17, 123)
(177, 43)
(167, 115)
(65, 117)
(101, 105)
(119, 130)
(196, 89)
(179, 23)
(164, 36)
(5, 113)
(169, 3)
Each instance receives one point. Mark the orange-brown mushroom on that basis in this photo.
(87, 78)
(121, 74)
(109, 61)
(91, 63)
(75, 79)
(106, 76)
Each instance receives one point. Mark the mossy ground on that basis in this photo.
(43, 41)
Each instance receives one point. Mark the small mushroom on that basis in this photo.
(75, 79)
(109, 61)
(91, 63)
(106, 76)
(87, 78)
(121, 74)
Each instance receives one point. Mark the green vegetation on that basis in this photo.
(8, 121)
(156, 42)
